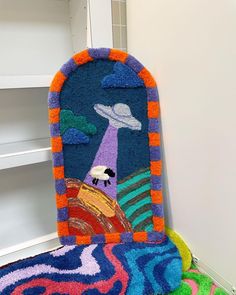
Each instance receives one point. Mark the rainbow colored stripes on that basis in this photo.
(154, 142)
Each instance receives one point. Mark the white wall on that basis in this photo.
(190, 47)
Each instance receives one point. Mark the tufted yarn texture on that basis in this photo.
(182, 247)
(104, 269)
(135, 268)
(104, 124)
(123, 77)
(137, 207)
(196, 283)
(74, 136)
(69, 120)
(80, 93)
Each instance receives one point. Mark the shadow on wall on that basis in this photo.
(165, 184)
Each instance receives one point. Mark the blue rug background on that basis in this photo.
(80, 92)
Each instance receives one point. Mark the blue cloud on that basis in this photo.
(74, 136)
(122, 77)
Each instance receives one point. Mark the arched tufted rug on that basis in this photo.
(104, 120)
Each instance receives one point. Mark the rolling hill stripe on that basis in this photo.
(134, 179)
(138, 212)
(137, 206)
(149, 227)
(140, 171)
(137, 199)
(133, 186)
(141, 218)
(134, 194)
(141, 226)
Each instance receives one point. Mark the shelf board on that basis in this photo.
(25, 81)
(24, 153)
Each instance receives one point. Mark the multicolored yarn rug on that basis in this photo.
(132, 268)
(98, 269)
(183, 248)
(196, 283)
(104, 117)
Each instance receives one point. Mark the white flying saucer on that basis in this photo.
(119, 116)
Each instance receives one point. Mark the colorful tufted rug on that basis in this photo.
(104, 118)
(136, 268)
(196, 283)
(98, 269)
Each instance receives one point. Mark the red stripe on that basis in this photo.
(72, 192)
(118, 225)
(80, 213)
(75, 231)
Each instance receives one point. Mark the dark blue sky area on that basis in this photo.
(80, 92)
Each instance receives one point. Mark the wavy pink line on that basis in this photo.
(193, 285)
(213, 288)
(121, 274)
(73, 287)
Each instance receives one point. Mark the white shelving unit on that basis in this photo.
(37, 37)
(25, 81)
(24, 153)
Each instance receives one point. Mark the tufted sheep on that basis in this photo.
(101, 173)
